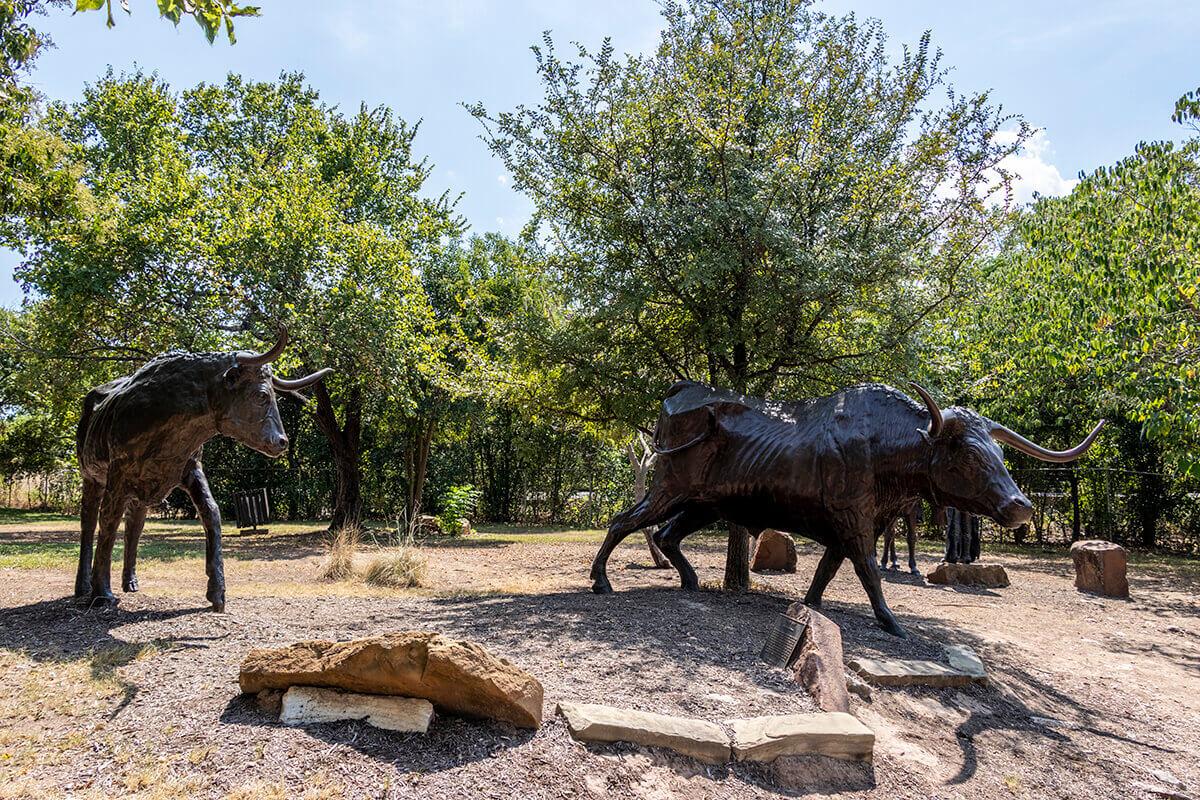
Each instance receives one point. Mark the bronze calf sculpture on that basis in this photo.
(838, 468)
(912, 519)
(141, 436)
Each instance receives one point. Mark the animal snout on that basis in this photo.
(1017, 511)
(278, 443)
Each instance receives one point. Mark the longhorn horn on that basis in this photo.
(1007, 436)
(258, 359)
(300, 383)
(935, 413)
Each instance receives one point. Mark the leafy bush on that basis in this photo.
(457, 503)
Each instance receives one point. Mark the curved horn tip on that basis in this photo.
(258, 359)
(935, 413)
(300, 383)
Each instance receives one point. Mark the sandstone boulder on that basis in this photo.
(1100, 568)
(703, 741)
(456, 676)
(990, 575)
(308, 705)
(774, 550)
(818, 667)
(834, 734)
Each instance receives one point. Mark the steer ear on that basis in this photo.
(231, 376)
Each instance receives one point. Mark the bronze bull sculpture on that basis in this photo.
(141, 436)
(838, 468)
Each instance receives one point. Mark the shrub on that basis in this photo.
(399, 567)
(342, 547)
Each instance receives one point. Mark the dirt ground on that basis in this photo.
(1090, 697)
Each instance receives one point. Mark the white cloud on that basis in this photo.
(500, 221)
(1031, 169)
(503, 179)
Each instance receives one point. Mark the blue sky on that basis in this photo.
(1097, 77)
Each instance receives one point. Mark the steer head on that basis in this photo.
(966, 466)
(243, 399)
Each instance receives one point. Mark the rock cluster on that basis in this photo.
(1100, 568)
(460, 677)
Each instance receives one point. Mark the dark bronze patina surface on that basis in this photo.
(963, 539)
(838, 469)
(141, 436)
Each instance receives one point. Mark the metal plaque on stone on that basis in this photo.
(782, 641)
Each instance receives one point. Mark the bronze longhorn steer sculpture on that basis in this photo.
(837, 469)
(141, 436)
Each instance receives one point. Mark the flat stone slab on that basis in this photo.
(964, 659)
(895, 672)
(703, 741)
(834, 734)
(309, 705)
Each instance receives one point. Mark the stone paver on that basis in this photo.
(704, 741)
(964, 659)
(833, 734)
(894, 672)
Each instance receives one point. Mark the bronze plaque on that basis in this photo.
(782, 641)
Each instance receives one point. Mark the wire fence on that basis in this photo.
(1150, 510)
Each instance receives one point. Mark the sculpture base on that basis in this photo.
(990, 575)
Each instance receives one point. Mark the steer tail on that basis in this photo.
(85, 415)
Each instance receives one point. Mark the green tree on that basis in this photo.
(231, 210)
(210, 15)
(766, 203)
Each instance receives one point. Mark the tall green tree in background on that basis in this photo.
(1094, 308)
(767, 203)
(229, 211)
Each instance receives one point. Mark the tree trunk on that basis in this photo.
(737, 560)
(642, 464)
(418, 461)
(345, 447)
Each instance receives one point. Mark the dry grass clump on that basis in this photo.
(399, 567)
(339, 561)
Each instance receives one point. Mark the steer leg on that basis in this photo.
(111, 510)
(135, 520)
(861, 553)
(196, 485)
(827, 567)
(684, 524)
(889, 545)
(910, 523)
(89, 512)
(647, 512)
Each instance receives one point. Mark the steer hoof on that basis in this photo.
(915, 571)
(218, 607)
(130, 585)
(893, 628)
(602, 586)
(102, 602)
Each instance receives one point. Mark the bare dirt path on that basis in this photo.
(1091, 697)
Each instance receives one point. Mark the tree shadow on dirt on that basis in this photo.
(65, 630)
(1019, 701)
(449, 743)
